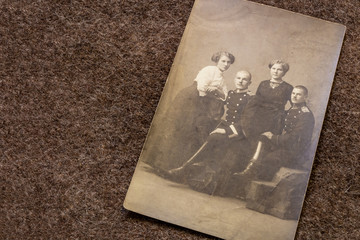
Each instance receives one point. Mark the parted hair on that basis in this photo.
(216, 56)
(285, 66)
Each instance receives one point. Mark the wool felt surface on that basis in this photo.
(80, 82)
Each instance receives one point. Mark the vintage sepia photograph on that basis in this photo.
(231, 146)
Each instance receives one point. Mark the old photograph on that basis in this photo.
(231, 146)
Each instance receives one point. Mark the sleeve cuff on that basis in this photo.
(233, 129)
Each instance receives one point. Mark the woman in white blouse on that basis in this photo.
(207, 105)
(210, 78)
(194, 113)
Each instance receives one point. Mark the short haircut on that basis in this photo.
(216, 57)
(285, 66)
(247, 72)
(304, 89)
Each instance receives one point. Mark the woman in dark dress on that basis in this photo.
(266, 111)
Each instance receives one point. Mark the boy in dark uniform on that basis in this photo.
(218, 154)
(287, 149)
(235, 103)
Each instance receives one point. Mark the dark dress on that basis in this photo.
(266, 111)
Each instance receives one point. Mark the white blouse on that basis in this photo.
(210, 76)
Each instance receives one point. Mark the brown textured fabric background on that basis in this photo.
(80, 81)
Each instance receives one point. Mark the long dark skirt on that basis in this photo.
(189, 120)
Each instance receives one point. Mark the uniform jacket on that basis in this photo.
(235, 103)
(299, 125)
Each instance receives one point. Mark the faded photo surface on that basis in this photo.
(231, 146)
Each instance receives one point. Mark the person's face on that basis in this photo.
(298, 96)
(242, 80)
(277, 71)
(224, 63)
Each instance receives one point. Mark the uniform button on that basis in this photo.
(240, 99)
(229, 97)
(233, 116)
(237, 104)
(294, 116)
(285, 119)
(235, 110)
(232, 122)
(227, 102)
